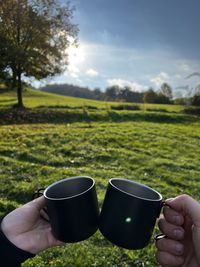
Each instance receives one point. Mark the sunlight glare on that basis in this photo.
(76, 55)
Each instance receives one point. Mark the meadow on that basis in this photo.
(59, 137)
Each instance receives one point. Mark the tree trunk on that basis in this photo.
(14, 79)
(19, 89)
(18, 62)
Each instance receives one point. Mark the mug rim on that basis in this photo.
(67, 179)
(133, 195)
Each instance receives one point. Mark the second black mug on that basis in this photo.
(129, 213)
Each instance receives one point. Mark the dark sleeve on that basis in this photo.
(10, 255)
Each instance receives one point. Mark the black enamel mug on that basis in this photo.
(72, 208)
(129, 213)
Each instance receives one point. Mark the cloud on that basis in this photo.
(161, 78)
(92, 72)
(73, 71)
(185, 67)
(122, 83)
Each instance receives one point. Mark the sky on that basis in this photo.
(139, 43)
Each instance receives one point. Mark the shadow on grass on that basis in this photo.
(62, 116)
(7, 100)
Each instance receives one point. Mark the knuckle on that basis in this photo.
(184, 197)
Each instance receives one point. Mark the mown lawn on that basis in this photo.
(159, 149)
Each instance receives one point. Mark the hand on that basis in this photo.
(26, 229)
(181, 225)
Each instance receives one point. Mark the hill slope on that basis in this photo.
(36, 98)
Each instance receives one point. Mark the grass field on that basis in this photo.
(159, 149)
(35, 98)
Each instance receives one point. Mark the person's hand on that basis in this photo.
(26, 229)
(181, 225)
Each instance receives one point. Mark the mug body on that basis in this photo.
(129, 213)
(72, 207)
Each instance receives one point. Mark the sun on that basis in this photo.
(76, 55)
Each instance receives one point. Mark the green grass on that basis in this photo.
(159, 149)
(35, 98)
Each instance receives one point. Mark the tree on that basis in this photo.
(125, 93)
(162, 99)
(128, 95)
(98, 94)
(112, 92)
(195, 100)
(34, 37)
(3, 75)
(166, 90)
(150, 96)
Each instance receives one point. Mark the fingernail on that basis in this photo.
(178, 233)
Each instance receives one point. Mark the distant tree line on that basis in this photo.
(162, 96)
(114, 93)
(125, 94)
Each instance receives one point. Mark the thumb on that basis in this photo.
(187, 206)
(38, 203)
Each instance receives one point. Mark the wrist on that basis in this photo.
(11, 255)
(15, 239)
(5, 230)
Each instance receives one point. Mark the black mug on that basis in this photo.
(72, 208)
(129, 213)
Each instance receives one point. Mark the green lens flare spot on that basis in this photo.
(128, 220)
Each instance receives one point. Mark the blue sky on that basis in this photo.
(140, 43)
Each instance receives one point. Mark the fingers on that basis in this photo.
(187, 206)
(173, 216)
(170, 249)
(171, 246)
(170, 230)
(44, 215)
(167, 259)
(183, 210)
(170, 252)
(39, 203)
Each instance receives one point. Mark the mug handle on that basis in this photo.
(37, 194)
(161, 236)
(164, 204)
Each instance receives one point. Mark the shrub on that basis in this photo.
(125, 107)
(192, 111)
